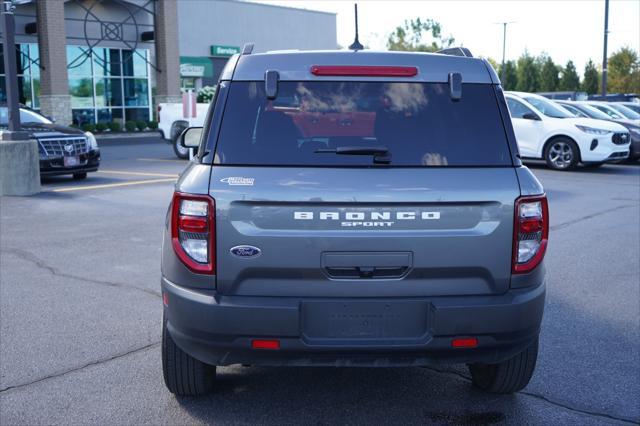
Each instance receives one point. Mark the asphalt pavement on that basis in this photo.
(80, 314)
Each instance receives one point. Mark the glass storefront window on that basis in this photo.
(108, 92)
(3, 90)
(137, 114)
(136, 92)
(134, 63)
(81, 91)
(24, 90)
(78, 61)
(28, 75)
(83, 116)
(106, 62)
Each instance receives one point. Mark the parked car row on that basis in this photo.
(63, 150)
(567, 133)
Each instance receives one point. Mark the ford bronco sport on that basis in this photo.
(354, 208)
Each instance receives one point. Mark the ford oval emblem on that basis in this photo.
(245, 251)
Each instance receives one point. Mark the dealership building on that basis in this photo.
(88, 61)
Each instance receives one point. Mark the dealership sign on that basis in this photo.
(218, 50)
(192, 70)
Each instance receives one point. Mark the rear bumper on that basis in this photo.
(218, 330)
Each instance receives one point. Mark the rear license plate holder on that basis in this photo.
(365, 320)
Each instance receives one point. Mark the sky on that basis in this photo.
(564, 29)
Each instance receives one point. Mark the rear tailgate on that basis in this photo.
(344, 232)
(363, 189)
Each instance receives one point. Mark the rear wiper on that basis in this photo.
(380, 154)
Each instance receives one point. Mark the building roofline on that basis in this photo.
(300, 9)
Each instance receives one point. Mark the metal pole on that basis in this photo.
(10, 67)
(504, 47)
(604, 55)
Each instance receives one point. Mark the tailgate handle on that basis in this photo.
(366, 265)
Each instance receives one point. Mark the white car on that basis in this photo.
(173, 118)
(545, 130)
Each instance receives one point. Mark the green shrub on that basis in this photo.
(141, 125)
(130, 126)
(115, 126)
(153, 125)
(206, 94)
(89, 127)
(101, 127)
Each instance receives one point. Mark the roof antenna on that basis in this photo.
(356, 43)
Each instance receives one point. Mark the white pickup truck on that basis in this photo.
(173, 118)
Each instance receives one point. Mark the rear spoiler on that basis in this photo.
(456, 51)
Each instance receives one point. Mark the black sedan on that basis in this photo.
(63, 150)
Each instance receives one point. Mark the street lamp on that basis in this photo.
(604, 54)
(504, 45)
(19, 158)
(11, 72)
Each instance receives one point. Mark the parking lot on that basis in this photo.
(80, 313)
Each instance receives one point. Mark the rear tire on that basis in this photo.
(508, 376)
(78, 176)
(180, 151)
(183, 374)
(562, 154)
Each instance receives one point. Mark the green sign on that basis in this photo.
(217, 50)
(195, 66)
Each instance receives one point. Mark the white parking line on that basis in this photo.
(124, 172)
(162, 160)
(113, 185)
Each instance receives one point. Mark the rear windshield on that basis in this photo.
(315, 123)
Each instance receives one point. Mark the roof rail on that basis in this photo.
(247, 49)
(456, 51)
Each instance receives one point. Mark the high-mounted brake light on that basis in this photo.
(363, 71)
(530, 233)
(193, 231)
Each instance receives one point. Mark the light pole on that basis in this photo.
(504, 46)
(604, 54)
(19, 158)
(11, 72)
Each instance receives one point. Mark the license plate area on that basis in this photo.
(364, 321)
(71, 161)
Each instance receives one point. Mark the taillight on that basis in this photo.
(530, 233)
(193, 231)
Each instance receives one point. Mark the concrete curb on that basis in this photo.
(125, 135)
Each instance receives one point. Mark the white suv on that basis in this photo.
(547, 131)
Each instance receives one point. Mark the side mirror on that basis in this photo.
(190, 138)
(531, 116)
(50, 118)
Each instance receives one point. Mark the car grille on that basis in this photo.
(60, 147)
(620, 138)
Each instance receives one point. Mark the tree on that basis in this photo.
(409, 37)
(591, 78)
(624, 71)
(510, 76)
(493, 63)
(528, 73)
(569, 81)
(548, 75)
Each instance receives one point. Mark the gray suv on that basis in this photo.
(354, 208)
